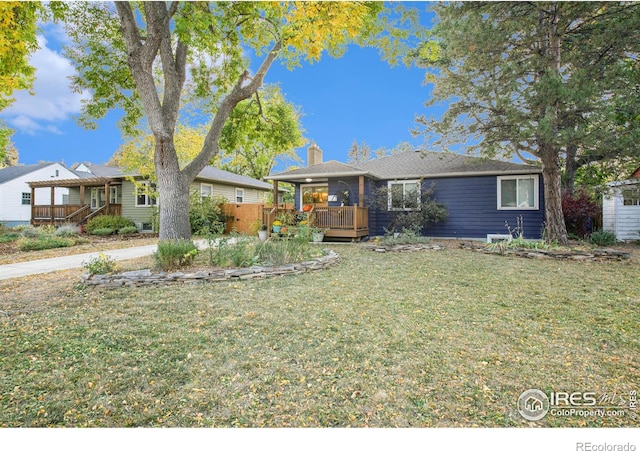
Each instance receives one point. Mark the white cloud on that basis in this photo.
(53, 101)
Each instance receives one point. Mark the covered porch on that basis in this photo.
(338, 222)
(330, 204)
(95, 196)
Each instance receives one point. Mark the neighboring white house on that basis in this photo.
(15, 193)
(621, 209)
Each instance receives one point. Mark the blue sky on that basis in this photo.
(357, 97)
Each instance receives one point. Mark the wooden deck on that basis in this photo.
(339, 222)
(69, 214)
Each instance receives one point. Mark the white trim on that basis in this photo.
(536, 191)
(241, 196)
(311, 185)
(498, 236)
(202, 185)
(149, 201)
(403, 183)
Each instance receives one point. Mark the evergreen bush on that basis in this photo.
(112, 222)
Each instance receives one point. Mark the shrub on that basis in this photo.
(580, 211)
(602, 238)
(43, 242)
(234, 252)
(173, 254)
(30, 232)
(205, 214)
(129, 230)
(421, 209)
(68, 230)
(105, 231)
(282, 252)
(107, 222)
(101, 264)
(9, 237)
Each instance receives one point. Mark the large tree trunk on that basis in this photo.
(173, 188)
(555, 226)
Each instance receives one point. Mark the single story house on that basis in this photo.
(99, 189)
(621, 208)
(479, 194)
(16, 197)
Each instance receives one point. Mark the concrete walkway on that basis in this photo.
(69, 262)
(46, 265)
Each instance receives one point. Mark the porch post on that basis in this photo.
(33, 204)
(53, 202)
(361, 191)
(275, 194)
(82, 195)
(106, 198)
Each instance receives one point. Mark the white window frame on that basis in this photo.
(239, 195)
(148, 201)
(26, 197)
(202, 193)
(313, 185)
(536, 191)
(404, 184)
(630, 196)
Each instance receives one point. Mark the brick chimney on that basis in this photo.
(314, 155)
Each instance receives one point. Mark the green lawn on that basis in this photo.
(436, 338)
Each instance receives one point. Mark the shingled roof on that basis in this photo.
(331, 168)
(13, 172)
(415, 164)
(209, 173)
(411, 164)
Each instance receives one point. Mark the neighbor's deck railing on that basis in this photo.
(76, 214)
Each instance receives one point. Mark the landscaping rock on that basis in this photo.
(578, 255)
(146, 277)
(403, 247)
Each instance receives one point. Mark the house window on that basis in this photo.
(404, 195)
(143, 195)
(315, 194)
(518, 192)
(631, 196)
(239, 195)
(26, 198)
(115, 195)
(206, 190)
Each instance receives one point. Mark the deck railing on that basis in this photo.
(344, 219)
(69, 213)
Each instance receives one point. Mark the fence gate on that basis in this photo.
(243, 218)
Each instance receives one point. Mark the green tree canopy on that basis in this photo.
(259, 131)
(17, 41)
(142, 56)
(532, 79)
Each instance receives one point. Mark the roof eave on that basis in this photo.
(465, 174)
(318, 175)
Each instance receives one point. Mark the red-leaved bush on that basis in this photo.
(580, 212)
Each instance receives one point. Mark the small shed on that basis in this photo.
(621, 208)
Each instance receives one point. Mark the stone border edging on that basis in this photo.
(403, 247)
(593, 255)
(146, 278)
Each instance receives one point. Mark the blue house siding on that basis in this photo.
(473, 212)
